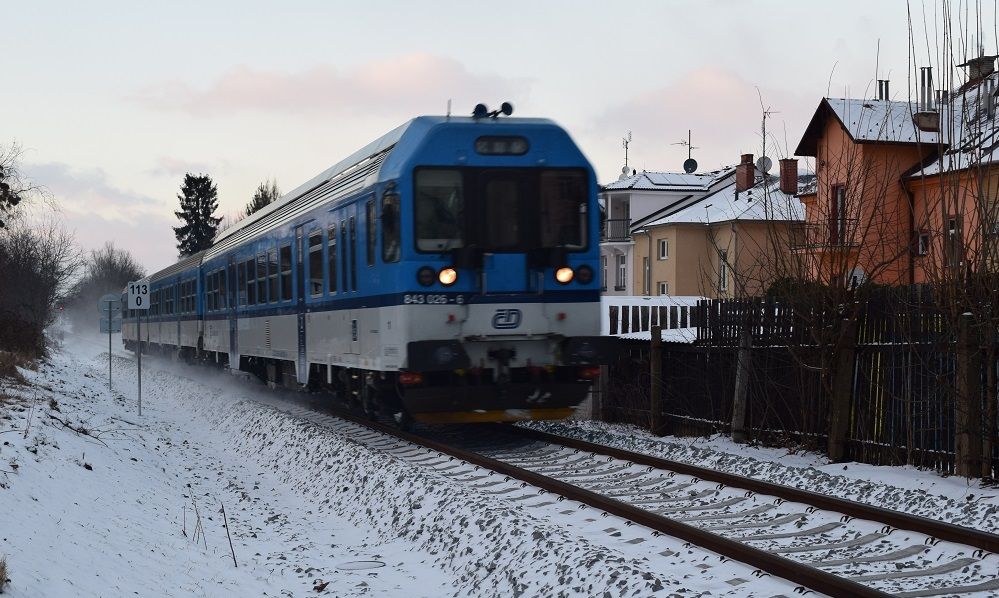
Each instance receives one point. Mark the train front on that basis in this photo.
(501, 321)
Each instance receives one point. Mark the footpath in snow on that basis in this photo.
(96, 501)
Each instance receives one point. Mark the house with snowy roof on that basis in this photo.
(631, 201)
(904, 191)
(725, 243)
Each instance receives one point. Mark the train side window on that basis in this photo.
(272, 259)
(286, 273)
(369, 242)
(251, 282)
(261, 279)
(331, 257)
(390, 228)
(316, 264)
(353, 254)
(343, 255)
(223, 301)
(241, 284)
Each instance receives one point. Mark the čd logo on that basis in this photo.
(504, 319)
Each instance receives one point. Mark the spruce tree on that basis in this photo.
(266, 193)
(198, 201)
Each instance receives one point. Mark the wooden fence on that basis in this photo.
(900, 407)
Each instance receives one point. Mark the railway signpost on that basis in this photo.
(110, 306)
(138, 299)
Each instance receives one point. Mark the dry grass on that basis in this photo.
(9, 362)
(3, 573)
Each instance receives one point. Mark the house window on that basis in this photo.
(923, 244)
(837, 216)
(646, 283)
(663, 249)
(622, 273)
(663, 288)
(723, 271)
(954, 248)
(603, 273)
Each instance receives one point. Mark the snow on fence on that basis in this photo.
(633, 316)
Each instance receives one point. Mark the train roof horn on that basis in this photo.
(482, 111)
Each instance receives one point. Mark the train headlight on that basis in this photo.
(425, 276)
(564, 275)
(584, 274)
(447, 276)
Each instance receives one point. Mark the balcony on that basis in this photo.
(615, 230)
(841, 232)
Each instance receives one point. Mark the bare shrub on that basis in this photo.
(3, 573)
(42, 258)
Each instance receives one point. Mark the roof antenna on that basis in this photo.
(449, 108)
(690, 164)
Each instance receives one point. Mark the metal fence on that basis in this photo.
(902, 398)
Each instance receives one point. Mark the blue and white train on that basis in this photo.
(447, 272)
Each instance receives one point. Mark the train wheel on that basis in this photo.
(403, 420)
(369, 404)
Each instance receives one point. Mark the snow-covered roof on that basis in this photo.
(971, 129)
(866, 121)
(670, 181)
(762, 201)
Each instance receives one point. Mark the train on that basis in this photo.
(447, 272)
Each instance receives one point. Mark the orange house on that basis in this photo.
(904, 190)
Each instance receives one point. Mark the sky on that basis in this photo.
(113, 102)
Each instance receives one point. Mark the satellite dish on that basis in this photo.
(624, 170)
(689, 165)
(764, 163)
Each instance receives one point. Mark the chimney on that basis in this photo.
(789, 176)
(745, 173)
(883, 90)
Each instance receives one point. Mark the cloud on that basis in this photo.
(176, 167)
(98, 211)
(412, 82)
(88, 191)
(720, 107)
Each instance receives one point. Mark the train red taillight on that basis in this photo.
(410, 378)
(590, 372)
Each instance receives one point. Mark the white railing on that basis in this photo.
(633, 316)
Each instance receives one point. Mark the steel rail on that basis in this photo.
(804, 575)
(896, 519)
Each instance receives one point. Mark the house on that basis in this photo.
(728, 243)
(634, 199)
(905, 192)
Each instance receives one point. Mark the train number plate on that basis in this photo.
(432, 299)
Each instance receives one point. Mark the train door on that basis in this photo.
(178, 308)
(300, 290)
(355, 344)
(504, 228)
(232, 295)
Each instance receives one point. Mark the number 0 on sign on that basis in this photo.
(138, 295)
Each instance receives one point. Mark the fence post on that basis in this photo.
(743, 361)
(967, 401)
(656, 381)
(840, 401)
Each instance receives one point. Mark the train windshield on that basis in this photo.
(500, 210)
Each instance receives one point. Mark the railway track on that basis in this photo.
(825, 544)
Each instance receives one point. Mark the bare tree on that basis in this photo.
(42, 258)
(105, 270)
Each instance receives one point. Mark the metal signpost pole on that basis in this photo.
(110, 321)
(138, 300)
(139, 335)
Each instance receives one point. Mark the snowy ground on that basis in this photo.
(96, 501)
